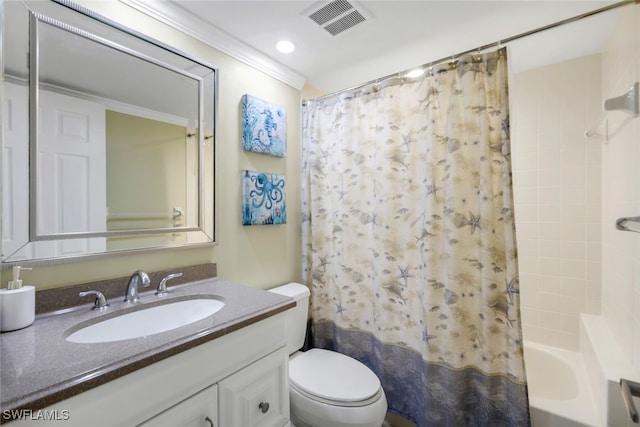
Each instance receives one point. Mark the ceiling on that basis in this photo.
(395, 36)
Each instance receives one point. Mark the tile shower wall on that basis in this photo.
(621, 190)
(557, 185)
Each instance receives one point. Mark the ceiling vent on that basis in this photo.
(337, 16)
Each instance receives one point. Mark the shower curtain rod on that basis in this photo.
(486, 46)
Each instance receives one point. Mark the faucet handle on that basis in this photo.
(100, 302)
(162, 287)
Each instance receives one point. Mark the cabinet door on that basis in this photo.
(199, 410)
(257, 395)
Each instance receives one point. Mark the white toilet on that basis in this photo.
(327, 389)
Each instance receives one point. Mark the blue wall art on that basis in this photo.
(264, 127)
(263, 198)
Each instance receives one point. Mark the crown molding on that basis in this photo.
(169, 13)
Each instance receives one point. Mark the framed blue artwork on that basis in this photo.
(263, 198)
(264, 127)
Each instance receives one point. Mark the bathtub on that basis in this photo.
(559, 394)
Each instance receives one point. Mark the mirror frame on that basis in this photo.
(205, 227)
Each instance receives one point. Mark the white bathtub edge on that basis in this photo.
(579, 411)
(595, 333)
(605, 365)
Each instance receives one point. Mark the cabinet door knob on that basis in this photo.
(264, 407)
(208, 420)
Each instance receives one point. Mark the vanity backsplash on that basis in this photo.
(52, 300)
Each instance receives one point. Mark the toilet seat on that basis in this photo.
(319, 399)
(333, 378)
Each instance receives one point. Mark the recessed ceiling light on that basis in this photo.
(285, 46)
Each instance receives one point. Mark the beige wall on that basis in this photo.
(556, 174)
(310, 92)
(259, 256)
(146, 157)
(621, 190)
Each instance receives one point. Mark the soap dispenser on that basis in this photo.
(17, 303)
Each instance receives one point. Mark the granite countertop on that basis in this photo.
(39, 368)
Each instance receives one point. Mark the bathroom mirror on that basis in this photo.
(107, 137)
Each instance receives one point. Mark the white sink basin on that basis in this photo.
(148, 321)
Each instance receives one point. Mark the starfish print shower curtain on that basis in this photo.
(409, 240)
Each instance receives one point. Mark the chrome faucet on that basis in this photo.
(132, 288)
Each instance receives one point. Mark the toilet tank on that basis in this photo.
(296, 318)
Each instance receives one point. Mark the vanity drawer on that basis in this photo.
(257, 395)
(196, 411)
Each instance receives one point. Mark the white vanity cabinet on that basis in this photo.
(258, 395)
(225, 382)
(255, 396)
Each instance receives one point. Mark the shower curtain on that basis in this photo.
(409, 245)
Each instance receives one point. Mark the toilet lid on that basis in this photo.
(333, 376)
